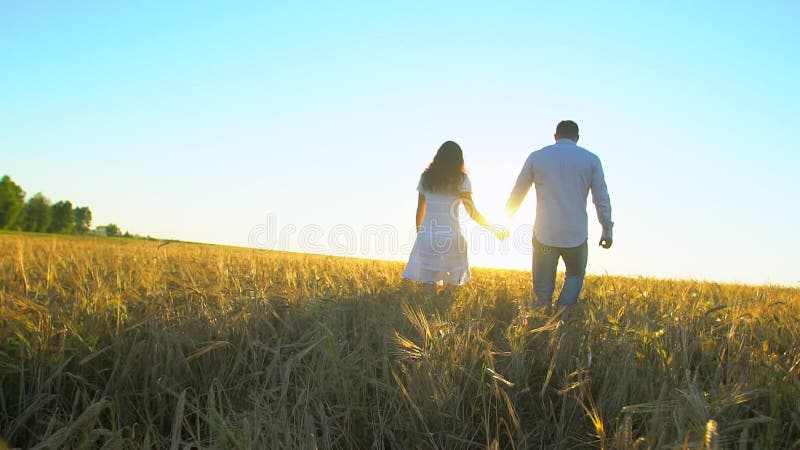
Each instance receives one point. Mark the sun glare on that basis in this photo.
(490, 196)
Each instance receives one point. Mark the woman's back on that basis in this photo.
(441, 209)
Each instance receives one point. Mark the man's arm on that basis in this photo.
(524, 182)
(602, 204)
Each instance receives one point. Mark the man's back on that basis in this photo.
(563, 174)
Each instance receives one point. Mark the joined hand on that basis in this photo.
(501, 232)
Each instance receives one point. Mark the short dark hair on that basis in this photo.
(567, 128)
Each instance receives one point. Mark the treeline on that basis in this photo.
(40, 215)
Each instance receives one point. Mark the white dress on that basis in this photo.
(440, 251)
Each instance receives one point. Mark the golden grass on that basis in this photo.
(121, 344)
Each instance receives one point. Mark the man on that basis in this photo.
(563, 174)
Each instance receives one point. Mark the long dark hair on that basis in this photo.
(446, 172)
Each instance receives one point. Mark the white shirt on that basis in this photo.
(563, 173)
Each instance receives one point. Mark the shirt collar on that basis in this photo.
(566, 141)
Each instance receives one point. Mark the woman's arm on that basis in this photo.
(469, 205)
(420, 210)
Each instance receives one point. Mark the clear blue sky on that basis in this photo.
(197, 120)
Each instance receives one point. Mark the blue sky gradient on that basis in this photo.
(198, 120)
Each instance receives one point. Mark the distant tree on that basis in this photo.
(12, 203)
(36, 215)
(112, 230)
(63, 218)
(127, 235)
(83, 219)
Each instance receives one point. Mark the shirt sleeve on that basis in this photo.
(600, 198)
(466, 185)
(521, 188)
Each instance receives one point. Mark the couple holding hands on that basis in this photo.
(563, 175)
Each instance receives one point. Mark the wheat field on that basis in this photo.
(129, 344)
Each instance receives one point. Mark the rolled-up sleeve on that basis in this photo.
(601, 199)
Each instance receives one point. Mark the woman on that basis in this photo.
(439, 256)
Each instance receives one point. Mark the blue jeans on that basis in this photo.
(545, 262)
